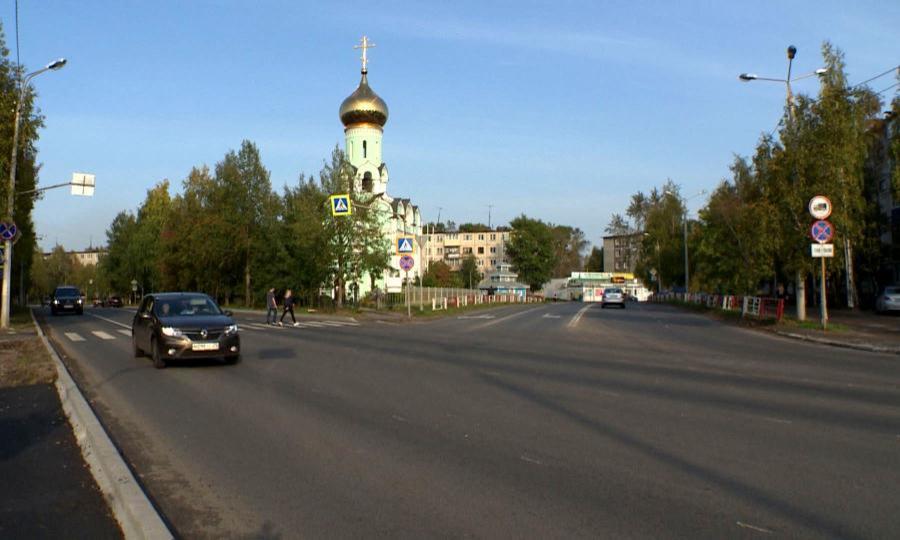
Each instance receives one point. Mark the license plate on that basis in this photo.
(208, 346)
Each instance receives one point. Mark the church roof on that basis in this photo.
(364, 106)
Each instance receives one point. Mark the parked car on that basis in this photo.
(114, 301)
(67, 298)
(98, 302)
(613, 296)
(888, 300)
(184, 325)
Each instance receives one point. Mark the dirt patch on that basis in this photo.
(25, 361)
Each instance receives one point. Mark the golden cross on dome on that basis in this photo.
(365, 45)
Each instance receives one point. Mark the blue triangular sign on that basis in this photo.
(405, 245)
(340, 205)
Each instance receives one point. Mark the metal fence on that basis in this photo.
(422, 298)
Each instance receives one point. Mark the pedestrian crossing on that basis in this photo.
(254, 327)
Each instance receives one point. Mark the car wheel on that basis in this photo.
(602, 306)
(623, 305)
(232, 360)
(80, 312)
(137, 350)
(158, 361)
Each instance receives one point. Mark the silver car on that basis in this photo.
(888, 300)
(613, 297)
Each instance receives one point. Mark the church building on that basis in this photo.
(364, 115)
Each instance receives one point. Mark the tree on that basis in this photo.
(594, 261)
(531, 250)
(119, 267)
(568, 248)
(439, 274)
(473, 227)
(468, 272)
(61, 267)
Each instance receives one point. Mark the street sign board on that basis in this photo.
(407, 263)
(82, 184)
(820, 207)
(405, 245)
(822, 250)
(340, 205)
(822, 231)
(8, 230)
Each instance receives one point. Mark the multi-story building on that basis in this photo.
(620, 252)
(488, 248)
(87, 257)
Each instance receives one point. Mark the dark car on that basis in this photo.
(184, 325)
(67, 299)
(114, 301)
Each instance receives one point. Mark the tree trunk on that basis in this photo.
(800, 292)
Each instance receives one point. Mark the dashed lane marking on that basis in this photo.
(73, 336)
(124, 332)
(574, 322)
(117, 323)
(530, 460)
(102, 335)
(508, 317)
(753, 528)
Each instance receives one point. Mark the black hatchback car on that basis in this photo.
(184, 325)
(66, 299)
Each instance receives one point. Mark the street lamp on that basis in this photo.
(687, 272)
(10, 202)
(746, 77)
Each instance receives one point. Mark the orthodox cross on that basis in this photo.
(365, 44)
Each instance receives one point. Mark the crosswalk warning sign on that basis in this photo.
(404, 245)
(340, 205)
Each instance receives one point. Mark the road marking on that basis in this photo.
(777, 420)
(549, 316)
(399, 418)
(124, 332)
(338, 323)
(314, 324)
(574, 322)
(508, 317)
(102, 335)
(73, 336)
(530, 460)
(477, 317)
(117, 323)
(753, 527)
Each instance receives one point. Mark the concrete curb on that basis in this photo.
(868, 347)
(132, 509)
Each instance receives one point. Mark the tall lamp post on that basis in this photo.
(747, 77)
(11, 196)
(687, 271)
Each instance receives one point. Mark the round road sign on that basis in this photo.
(820, 207)
(407, 262)
(822, 231)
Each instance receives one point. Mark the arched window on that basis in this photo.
(367, 184)
(364, 148)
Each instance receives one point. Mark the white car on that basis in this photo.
(613, 297)
(888, 300)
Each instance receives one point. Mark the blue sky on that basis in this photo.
(559, 109)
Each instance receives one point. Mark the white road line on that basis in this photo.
(73, 336)
(314, 324)
(530, 460)
(508, 317)
(753, 527)
(464, 317)
(102, 335)
(124, 332)
(777, 420)
(574, 322)
(337, 323)
(117, 323)
(550, 316)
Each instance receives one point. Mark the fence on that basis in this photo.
(442, 298)
(758, 307)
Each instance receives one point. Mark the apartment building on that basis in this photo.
(488, 248)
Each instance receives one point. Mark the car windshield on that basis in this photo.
(67, 291)
(892, 290)
(613, 291)
(186, 306)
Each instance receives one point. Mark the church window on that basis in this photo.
(367, 183)
(364, 148)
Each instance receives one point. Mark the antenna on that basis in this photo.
(490, 206)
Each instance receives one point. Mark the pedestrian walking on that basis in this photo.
(271, 307)
(288, 307)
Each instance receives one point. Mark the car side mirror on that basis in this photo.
(228, 313)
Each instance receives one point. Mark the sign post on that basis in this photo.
(822, 231)
(406, 263)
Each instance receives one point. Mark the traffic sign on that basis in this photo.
(340, 205)
(822, 231)
(820, 207)
(406, 263)
(405, 245)
(8, 230)
(822, 250)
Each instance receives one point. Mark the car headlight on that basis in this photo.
(171, 331)
(55, 301)
(80, 301)
(231, 329)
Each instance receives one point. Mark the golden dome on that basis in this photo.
(364, 106)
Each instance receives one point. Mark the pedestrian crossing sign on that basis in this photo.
(340, 205)
(405, 245)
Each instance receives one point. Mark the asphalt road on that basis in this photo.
(548, 421)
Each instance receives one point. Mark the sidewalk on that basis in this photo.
(863, 330)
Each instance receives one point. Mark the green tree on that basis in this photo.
(568, 249)
(439, 274)
(469, 275)
(473, 227)
(594, 261)
(119, 266)
(531, 250)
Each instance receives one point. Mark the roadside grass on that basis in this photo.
(813, 324)
(23, 359)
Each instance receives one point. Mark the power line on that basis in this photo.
(876, 77)
(886, 89)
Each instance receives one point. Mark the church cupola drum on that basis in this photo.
(364, 115)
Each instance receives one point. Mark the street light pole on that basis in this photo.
(800, 285)
(11, 195)
(684, 220)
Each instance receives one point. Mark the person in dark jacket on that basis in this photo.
(271, 307)
(288, 307)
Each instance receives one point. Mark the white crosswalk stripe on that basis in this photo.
(102, 335)
(124, 332)
(73, 336)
